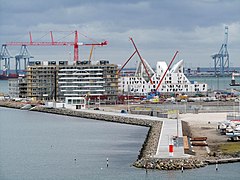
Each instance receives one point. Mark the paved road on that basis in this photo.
(124, 114)
(170, 130)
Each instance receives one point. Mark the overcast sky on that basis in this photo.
(158, 27)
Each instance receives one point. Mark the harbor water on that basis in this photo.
(217, 83)
(37, 145)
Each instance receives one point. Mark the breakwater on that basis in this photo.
(170, 163)
(150, 144)
(146, 155)
(223, 161)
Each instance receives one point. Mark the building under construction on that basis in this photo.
(51, 80)
(174, 81)
(165, 79)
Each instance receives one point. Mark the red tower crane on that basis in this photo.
(75, 44)
(140, 57)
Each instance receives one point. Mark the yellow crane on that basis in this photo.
(91, 52)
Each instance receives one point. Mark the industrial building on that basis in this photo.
(48, 80)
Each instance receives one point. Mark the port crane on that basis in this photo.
(5, 56)
(221, 59)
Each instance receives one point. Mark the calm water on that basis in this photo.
(216, 83)
(43, 146)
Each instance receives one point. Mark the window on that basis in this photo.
(81, 101)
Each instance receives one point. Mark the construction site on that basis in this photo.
(101, 80)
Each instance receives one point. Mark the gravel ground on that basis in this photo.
(205, 124)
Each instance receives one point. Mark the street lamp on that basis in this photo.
(218, 81)
(177, 124)
(89, 103)
(128, 99)
(99, 102)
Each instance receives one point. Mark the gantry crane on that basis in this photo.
(5, 56)
(221, 59)
(25, 55)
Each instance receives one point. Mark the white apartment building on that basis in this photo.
(174, 82)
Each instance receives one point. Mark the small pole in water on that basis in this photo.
(182, 169)
(216, 166)
(146, 167)
(107, 162)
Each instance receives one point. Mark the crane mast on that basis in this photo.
(141, 59)
(160, 82)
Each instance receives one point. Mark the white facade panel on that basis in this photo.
(175, 82)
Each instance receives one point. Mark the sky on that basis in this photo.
(158, 27)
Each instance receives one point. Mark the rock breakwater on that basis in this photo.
(150, 144)
(146, 157)
(169, 164)
(10, 104)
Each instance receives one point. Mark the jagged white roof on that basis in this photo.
(176, 67)
(161, 67)
(140, 71)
